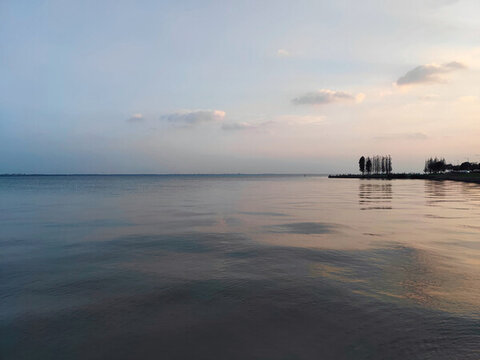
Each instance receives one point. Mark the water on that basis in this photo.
(238, 267)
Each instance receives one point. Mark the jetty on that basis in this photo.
(473, 177)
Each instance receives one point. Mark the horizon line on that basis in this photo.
(163, 174)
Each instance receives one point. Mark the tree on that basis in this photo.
(361, 164)
(435, 165)
(368, 165)
(375, 164)
(465, 166)
(471, 166)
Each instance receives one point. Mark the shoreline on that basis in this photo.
(463, 177)
(171, 175)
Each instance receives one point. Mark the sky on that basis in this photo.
(236, 86)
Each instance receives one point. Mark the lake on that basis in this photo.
(238, 267)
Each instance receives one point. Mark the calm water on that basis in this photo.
(144, 267)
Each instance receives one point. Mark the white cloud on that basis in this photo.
(241, 126)
(136, 118)
(429, 73)
(429, 97)
(279, 121)
(468, 99)
(238, 126)
(326, 96)
(440, 3)
(360, 97)
(283, 53)
(302, 119)
(193, 117)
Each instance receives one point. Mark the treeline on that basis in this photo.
(375, 164)
(436, 165)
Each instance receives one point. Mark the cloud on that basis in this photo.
(402, 136)
(283, 53)
(429, 73)
(193, 117)
(429, 97)
(326, 96)
(440, 3)
(136, 118)
(288, 120)
(302, 119)
(468, 99)
(238, 126)
(360, 97)
(242, 126)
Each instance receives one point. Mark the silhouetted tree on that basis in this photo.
(470, 166)
(435, 165)
(361, 164)
(376, 164)
(466, 166)
(368, 165)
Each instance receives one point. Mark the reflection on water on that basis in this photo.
(306, 228)
(435, 192)
(374, 195)
(238, 268)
